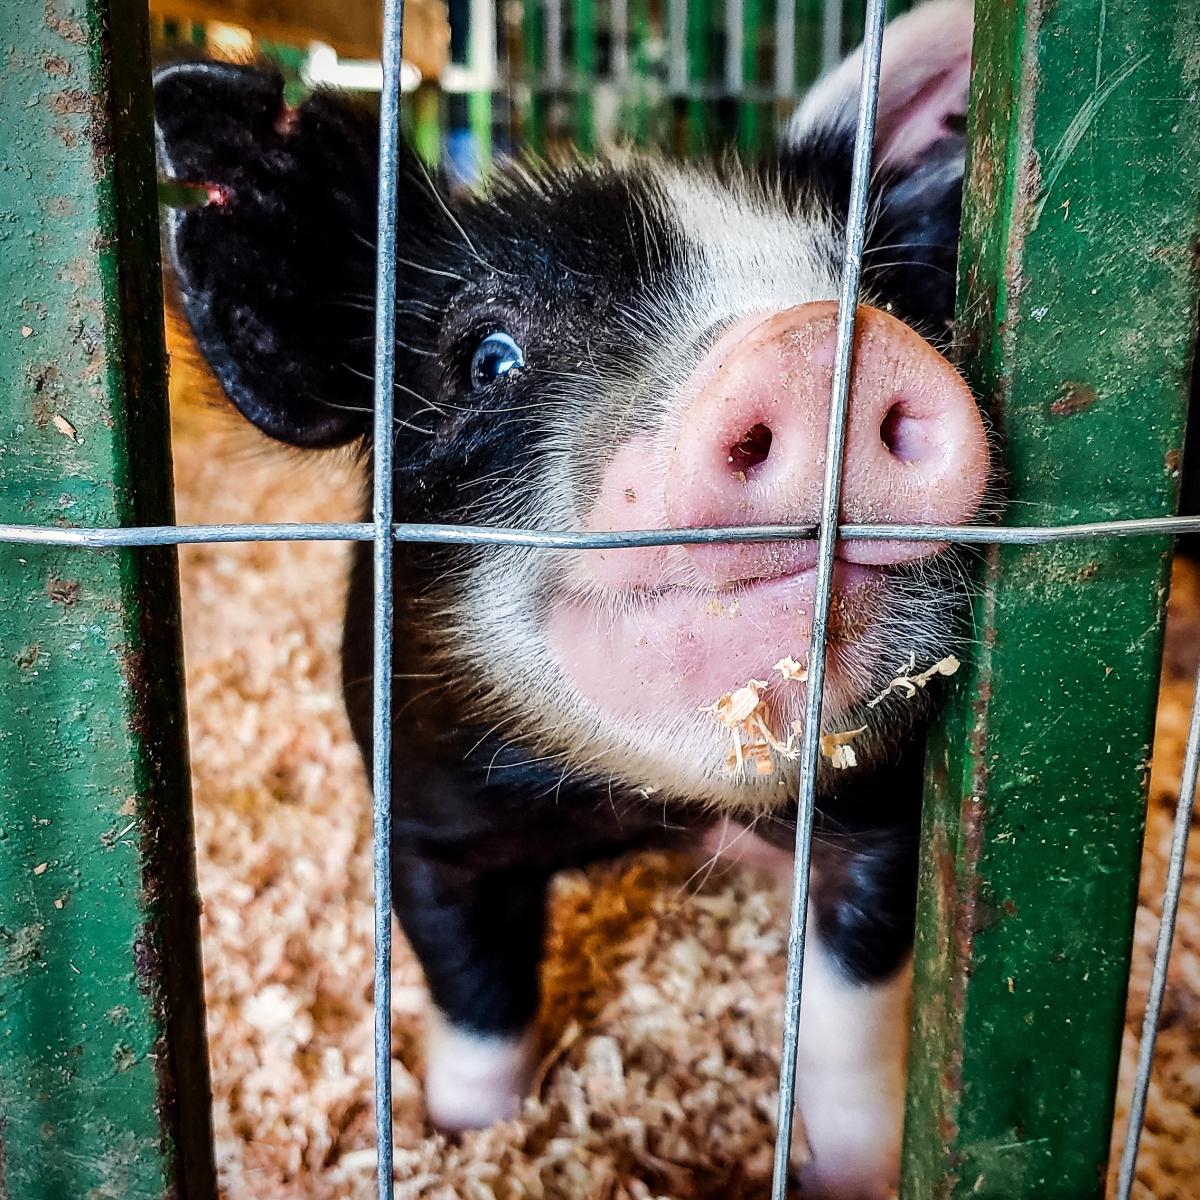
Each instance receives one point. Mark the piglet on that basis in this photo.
(622, 344)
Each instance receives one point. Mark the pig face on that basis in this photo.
(608, 346)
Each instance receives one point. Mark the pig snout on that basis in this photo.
(750, 448)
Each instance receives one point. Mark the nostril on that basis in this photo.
(903, 434)
(750, 450)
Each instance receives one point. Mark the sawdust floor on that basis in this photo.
(664, 994)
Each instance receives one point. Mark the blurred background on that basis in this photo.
(484, 78)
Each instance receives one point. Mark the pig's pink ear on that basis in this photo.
(924, 81)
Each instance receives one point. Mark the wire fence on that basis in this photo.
(383, 531)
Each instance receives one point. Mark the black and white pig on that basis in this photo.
(624, 344)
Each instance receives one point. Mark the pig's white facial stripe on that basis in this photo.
(850, 1078)
(472, 1081)
(747, 253)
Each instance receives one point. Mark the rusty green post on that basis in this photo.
(1077, 296)
(583, 75)
(755, 124)
(533, 26)
(103, 1065)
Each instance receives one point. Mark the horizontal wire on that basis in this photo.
(484, 535)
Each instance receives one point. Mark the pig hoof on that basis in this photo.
(473, 1080)
(847, 1167)
(850, 1139)
(816, 1185)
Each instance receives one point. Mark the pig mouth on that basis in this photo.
(661, 655)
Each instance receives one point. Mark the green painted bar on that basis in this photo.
(479, 114)
(533, 25)
(639, 119)
(103, 1066)
(584, 77)
(710, 122)
(809, 20)
(854, 22)
(754, 117)
(1077, 294)
(427, 124)
(698, 112)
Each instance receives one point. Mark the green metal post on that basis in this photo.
(854, 22)
(639, 119)
(103, 1066)
(583, 80)
(755, 118)
(535, 64)
(809, 17)
(1077, 295)
(699, 109)
(426, 128)
(479, 113)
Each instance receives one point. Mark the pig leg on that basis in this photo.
(850, 1071)
(478, 936)
(854, 1009)
(850, 1078)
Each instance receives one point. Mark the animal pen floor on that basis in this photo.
(663, 991)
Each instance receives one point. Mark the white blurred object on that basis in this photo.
(324, 67)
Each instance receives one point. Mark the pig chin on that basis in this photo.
(650, 661)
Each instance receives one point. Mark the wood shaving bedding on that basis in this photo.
(665, 1085)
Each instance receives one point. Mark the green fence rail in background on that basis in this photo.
(686, 77)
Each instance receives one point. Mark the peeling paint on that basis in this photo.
(1073, 398)
(66, 28)
(63, 591)
(21, 948)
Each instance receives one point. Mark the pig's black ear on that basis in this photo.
(924, 81)
(276, 273)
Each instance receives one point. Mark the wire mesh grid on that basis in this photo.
(383, 531)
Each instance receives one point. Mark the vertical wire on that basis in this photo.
(1162, 950)
(735, 46)
(831, 35)
(381, 508)
(785, 49)
(831, 496)
(618, 55)
(677, 46)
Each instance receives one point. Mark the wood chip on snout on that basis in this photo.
(756, 745)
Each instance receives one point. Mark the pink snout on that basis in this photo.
(750, 449)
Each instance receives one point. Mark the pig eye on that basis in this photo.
(494, 358)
